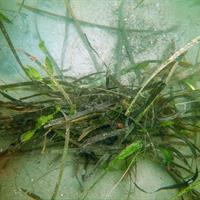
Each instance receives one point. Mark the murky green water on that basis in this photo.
(155, 24)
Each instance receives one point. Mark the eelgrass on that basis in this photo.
(98, 115)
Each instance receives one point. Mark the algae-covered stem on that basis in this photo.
(54, 81)
(31, 195)
(163, 66)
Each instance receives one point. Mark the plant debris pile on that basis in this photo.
(97, 118)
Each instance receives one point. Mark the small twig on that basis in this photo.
(45, 141)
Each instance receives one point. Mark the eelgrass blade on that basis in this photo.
(11, 46)
(64, 158)
(158, 70)
(89, 24)
(82, 36)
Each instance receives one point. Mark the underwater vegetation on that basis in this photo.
(109, 123)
